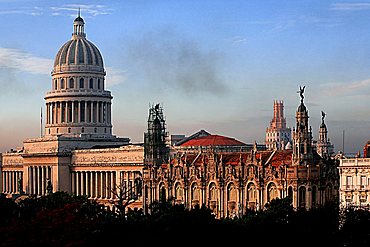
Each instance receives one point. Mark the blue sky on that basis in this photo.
(214, 65)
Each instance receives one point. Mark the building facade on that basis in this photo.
(78, 153)
(230, 182)
(355, 181)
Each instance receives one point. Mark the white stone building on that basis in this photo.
(354, 187)
(78, 153)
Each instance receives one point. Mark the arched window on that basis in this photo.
(91, 83)
(251, 193)
(62, 84)
(55, 84)
(95, 129)
(82, 130)
(99, 84)
(178, 192)
(69, 130)
(82, 82)
(212, 192)
(271, 192)
(162, 193)
(231, 193)
(302, 197)
(194, 192)
(71, 83)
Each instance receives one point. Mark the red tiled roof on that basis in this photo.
(213, 140)
(282, 157)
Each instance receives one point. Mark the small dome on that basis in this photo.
(78, 18)
(78, 51)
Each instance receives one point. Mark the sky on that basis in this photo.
(213, 65)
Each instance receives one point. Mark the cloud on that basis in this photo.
(350, 6)
(87, 10)
(34, 11)
(236, 40)
(172, 62)
(349, 89)
(115, 76)
(22, 61)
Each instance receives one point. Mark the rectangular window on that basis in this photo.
(363, 182)
(349, 182)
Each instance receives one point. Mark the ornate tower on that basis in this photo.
(156, 152)
(324, 148)
(77, 103)
(302, 135)
(278, 135)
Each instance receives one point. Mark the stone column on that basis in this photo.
(85, 112)
(109, 113)
(101, 112)
(34, 180)
(73, 111)
(96, 184)
(47, 113)
(29, 190)
(43, 189)
(73, 183)
(91, 111)
(97, 112)
(102, 181)
(79, 112)
(2, 182)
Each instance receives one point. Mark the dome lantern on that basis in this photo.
(78, 26)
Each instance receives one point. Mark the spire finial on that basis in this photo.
(301, 91)
(79, 12)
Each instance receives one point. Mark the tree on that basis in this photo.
(125, 195)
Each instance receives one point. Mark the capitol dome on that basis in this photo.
(78, 103)
(78, 53)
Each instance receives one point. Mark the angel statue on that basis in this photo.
(301, 91)
(323, 114)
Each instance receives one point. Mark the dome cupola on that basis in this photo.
(78, 53)
(78, 103)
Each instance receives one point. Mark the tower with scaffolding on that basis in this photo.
(156, 151)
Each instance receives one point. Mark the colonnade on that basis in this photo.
(37, 179)
(10, 180)
(78, 111)
(102, 184)
(94, 184)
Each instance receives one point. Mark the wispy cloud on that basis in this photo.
(23, 61)
(350, 6)
(34, 11)
(86, 10)
(236, 40)
(115, 76)
(348, 89)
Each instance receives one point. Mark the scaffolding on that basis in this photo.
(156, 150)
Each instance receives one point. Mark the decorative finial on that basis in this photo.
(79, 12)
(323, 114)
(301, 91)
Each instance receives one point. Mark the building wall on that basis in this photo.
(95, 173)
(230, 188)
(354, 182)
